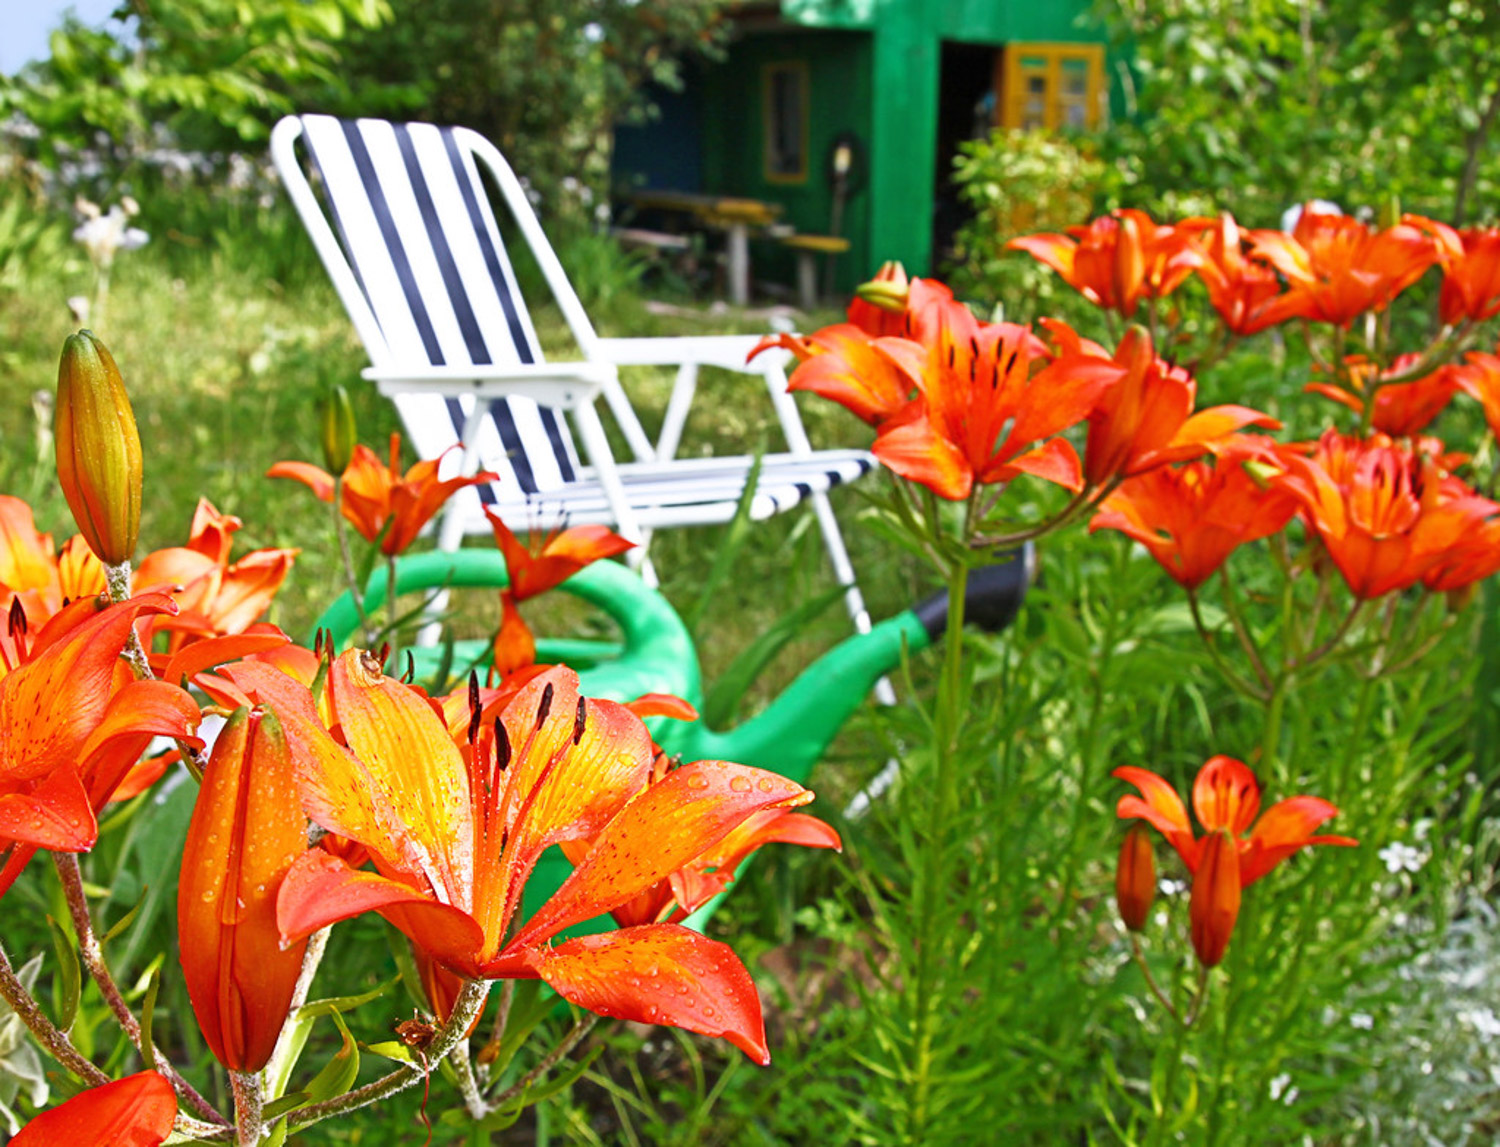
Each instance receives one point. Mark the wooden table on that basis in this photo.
(733, 215)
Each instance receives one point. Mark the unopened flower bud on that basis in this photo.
(98, 449)
(1135, 879)
(887, 290)
(338, 430)
(1215, 904)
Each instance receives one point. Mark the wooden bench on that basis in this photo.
(808, 248)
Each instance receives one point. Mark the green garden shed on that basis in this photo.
(846, 115)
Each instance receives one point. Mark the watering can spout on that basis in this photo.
(794, 731)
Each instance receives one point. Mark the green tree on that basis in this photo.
(216, 73)
(1263, 103)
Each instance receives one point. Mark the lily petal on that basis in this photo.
(663, 974)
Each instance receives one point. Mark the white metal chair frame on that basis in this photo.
(571, 386)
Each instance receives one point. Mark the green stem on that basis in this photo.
(581, 1028)
(934, 890)
(54, 1041)
(469, 1004)
(249, 1107)
(1270, 735)
(92, 953)
(390, 597)
(341, 533)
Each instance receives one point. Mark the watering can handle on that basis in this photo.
(994, 596)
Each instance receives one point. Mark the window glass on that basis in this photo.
(785, 103)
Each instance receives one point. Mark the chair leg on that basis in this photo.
(677, 411)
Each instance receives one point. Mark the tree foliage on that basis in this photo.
(1264, 103)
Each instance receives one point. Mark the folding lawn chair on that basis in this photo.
(412, 244)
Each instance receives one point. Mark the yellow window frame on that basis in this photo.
(1015, 69)
(768, 73)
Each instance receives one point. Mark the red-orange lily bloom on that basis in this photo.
(1336, 268)
(1470, 260)
(214, 595)
(137, 1111)
(41, 577)
(1192, 517)
(72, 723)
(1238, 287)
(1402, 409)
(247, 829)
(1479, 378)
(378, 500)
(983, 416)
(1146, 419)
(1237, 849)
(1386, 515)
(1118, 259)
(547, 560)
(841, 362)
(454, 834)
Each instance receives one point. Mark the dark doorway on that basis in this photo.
(966, 109)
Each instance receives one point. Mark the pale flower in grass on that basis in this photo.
(103, 233)
(1401, 857)
(20, 1065)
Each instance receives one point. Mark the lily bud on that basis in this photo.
(338, 430)
(1215, 904)
(1135, 879)
(247, 829)
(887, 290)
(98, 449)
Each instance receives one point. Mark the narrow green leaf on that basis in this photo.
(69, 977)
(339, 1073)
(148, 1010)
(125, 921)
(287, 1104)
(391, 1049)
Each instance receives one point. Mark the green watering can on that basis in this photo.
(655, 654)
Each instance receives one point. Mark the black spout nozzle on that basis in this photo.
(994, 595)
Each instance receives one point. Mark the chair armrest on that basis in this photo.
(565, 384)
(726, 351)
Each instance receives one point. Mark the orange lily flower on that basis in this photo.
(1402, 409)
(137, 1111)
(247, 829)
(1473, 556)
(1386, 515)
(514, 648)
(1120, 258)
(72, 723)
(1146, 418)
(1337, 269)
(681, 893)
(841, 363)
(1237, 849)
(1192, 517)
(894, 289)
(215, 597)
(1471, 269)
(982, 416)
(547, 560)
(454, 834)
(1238, 287)
(1479, 378)
(31, 571)
(379, 502)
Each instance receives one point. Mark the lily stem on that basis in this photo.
(468, 1086)
(54, 1041)
(1140, 960)
(92, 952)
(581, 1028)
(466, 1007)
(249, 1107)
(356, 591)
(117, 579)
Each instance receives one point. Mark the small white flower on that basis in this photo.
(1362, 1020)
(1279, 1086)
(1401, 857)
(1169, 887)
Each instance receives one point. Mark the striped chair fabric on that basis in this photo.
(415, 224)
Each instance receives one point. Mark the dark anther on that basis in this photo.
(950, 356)
(973, 347)
(502, 746)
(1011, 361)
(578, 721)
(17, 618)
(385, 652)
(546, 706)
(411, 669)
(475, 712)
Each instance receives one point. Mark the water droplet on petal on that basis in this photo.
(765, 785)
(740, 784)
